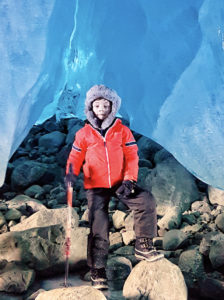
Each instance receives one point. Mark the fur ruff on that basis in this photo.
(101, 91)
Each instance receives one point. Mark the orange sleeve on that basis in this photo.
(130, 149)
(77, 154)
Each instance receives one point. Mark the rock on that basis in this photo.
(51, 124)
(62, 197)
(15, 278)
(118, 219)
(112, 205)
(161, 155)
(212, 288)
(125, 251)
(155, 281)
(201, 206)
(128, 252)
(115, 241)
(174, 239)
(171, 219)
(217, 211)
(205, 218)
(43, 248)
(216, 253)
(2, 219)
(34, 190)
(11, 223)
(28, 173)
(145, 163)
(189, 218)
(128, 236)
(47, 188)
(13, 214)
(52, 140)
(129, 222)
(85, 216)
(171, 185)
(219, 221)
(47, 217)
(74, 125)
(3, 229)
(25, 204)
(142, 175)
(190, 229)
(216, 196)
(147, 148)
(206, 242)
(81, 292)
(35, 294)
(158, 242)
(118, 269)
(192, 267)
(3, 207)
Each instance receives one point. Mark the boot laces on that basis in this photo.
(146, 243)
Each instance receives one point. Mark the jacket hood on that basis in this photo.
(101, 91)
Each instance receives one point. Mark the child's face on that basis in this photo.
(101, 108)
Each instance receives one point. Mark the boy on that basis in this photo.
(108, 152)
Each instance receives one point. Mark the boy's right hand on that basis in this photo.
(70, 178)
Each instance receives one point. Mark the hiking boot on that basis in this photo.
(144, 250)
(99, 279)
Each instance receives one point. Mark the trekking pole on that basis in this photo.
(68, 230)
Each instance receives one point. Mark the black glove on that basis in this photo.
(70, 178)
(126, 189)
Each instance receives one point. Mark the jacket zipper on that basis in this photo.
(108, 164)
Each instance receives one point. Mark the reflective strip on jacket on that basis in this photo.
(106, 160)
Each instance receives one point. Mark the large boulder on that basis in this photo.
(147, 148)
(30, 172)
(52, 140)
(47, 217)
(15, 278)
(2, 219)
(155, 281)
(219, 221)
(216, 196)
(171, 219)
(81, 292)
(172, 185)
(174, 239)
(216, 253)
(118, 269)
(192, 266)
(74, 125)
(43, 248)
(212, 286)
(118, 219)
(25, 204)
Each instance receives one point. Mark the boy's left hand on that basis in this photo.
(126, 189)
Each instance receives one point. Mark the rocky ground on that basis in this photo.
(33, 220)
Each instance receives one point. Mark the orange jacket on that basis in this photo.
(107, 160)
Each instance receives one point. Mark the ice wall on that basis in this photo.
(164, 58)
(34, 41)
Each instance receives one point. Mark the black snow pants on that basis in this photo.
(141, 203)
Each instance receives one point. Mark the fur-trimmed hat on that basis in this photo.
(101, 91)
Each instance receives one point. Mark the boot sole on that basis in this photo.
(158, 257)
(100, 287)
